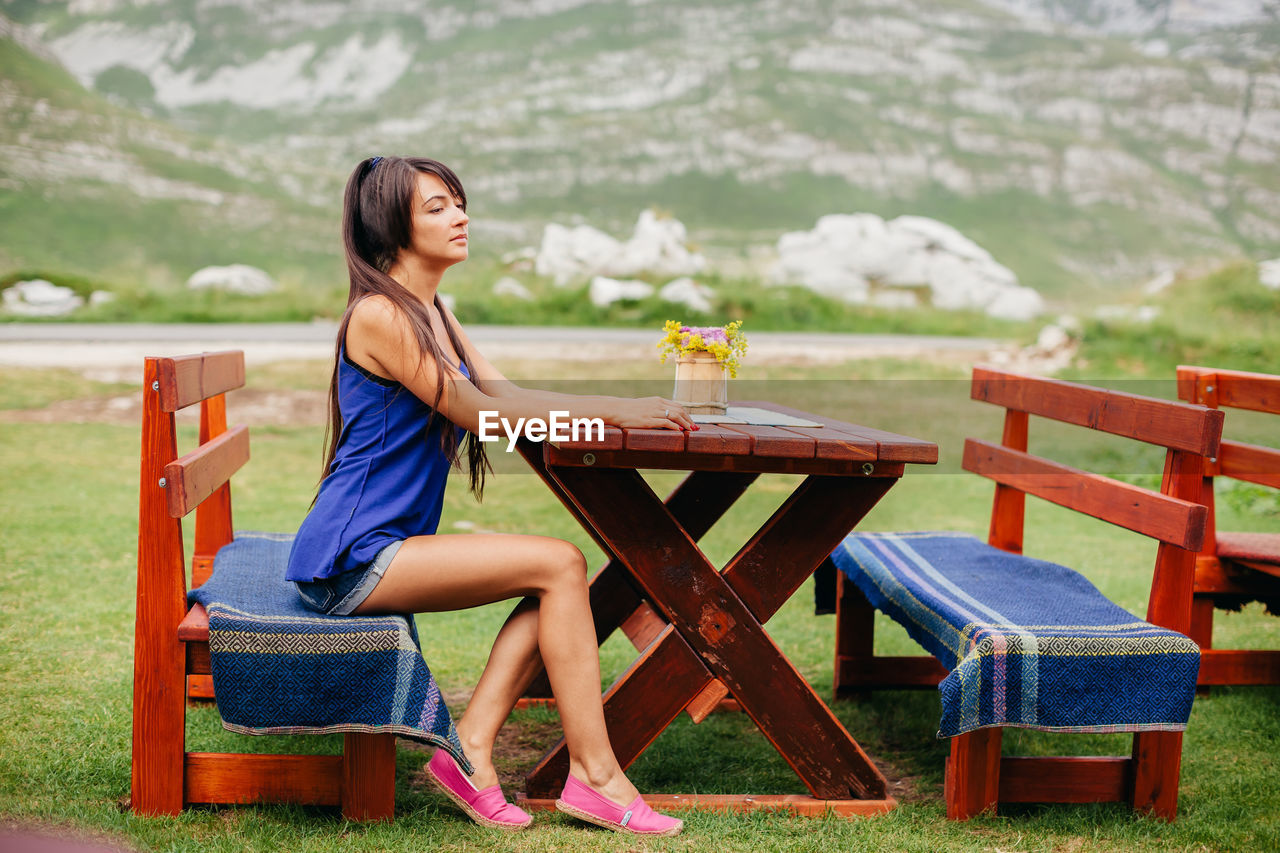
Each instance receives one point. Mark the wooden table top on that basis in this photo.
(836, 447)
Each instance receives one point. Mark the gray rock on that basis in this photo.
(844, 255)
(656, 246)
(687, 292)
(40, 298)
(508, 286)
(1269, 274)
(236, 278)
(605, 291)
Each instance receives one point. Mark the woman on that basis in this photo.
(407, 385)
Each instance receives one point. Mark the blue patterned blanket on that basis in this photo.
(281, 668)
(1029, 643)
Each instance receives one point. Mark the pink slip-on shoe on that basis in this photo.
(487, 807)
(586, 804)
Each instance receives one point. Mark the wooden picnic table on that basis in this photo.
(700, 629)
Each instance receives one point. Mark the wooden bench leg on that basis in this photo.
(855, 629)
(1202, 622)
(369, 777)
(1157, 760)
(973, 774)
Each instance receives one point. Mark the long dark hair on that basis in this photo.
(377, 222)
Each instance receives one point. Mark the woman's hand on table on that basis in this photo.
(652, 413)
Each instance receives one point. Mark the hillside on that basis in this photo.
(1083, 142)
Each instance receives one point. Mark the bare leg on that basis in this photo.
(445, 572)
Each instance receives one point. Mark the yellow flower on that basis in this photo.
(726, 343)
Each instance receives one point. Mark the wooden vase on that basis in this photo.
(702, 384)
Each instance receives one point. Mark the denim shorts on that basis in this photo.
(343, 593)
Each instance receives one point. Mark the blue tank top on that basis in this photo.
(386, 481)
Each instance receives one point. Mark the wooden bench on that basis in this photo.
(978, 777)
(1234, 568)
(171, 642)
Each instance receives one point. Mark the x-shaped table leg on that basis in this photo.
(696, 504)
(716, 623)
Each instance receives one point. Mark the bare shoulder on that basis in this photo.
(375, 311)
(376, 334)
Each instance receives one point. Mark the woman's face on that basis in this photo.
(439, 224)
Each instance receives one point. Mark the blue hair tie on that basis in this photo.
(374, 163)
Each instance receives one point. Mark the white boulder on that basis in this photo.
(1269, 274)
(658, 246)
(40, 298)
(861, 258)
(605, 291)
(687, 292)
(236, 278)
(569, 253)
(508, 286)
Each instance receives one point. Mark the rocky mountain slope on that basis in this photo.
(1079, 141)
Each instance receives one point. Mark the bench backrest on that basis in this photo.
(1172, 515)
(1234, 389)
(171, 486)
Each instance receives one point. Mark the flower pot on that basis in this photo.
(702, 384)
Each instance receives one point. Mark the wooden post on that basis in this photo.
(1008, 509)
(159, 660)
(855, 629)
(972, 783)
(369, 776)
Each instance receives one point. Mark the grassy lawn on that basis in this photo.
(66, 625)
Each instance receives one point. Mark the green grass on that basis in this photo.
(1225, 319)
(66, 617)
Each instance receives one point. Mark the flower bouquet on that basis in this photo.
(705, 357)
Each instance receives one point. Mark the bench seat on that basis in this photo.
(281, 668)
(1027, 643)
(1259, 551)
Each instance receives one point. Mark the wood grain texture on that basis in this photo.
(1065, 779)
(368, 776)
(1239, 666)
(713, 620)
(159, 660)
(171, 653)
(1008, 508)
(1179, 426)
(701, 706)
(776, 441)
(659, 440)
(1222, 582)
(214, 527)
(800, 534)
(698, 502)
(1250, 462)
(972, 784)
(1169, 604)
(1172, 520)
(194, 627)
(1157, 760)
(721, 463)
(916, 672)
(715, 439)
(197, 475)
(233, 778)
(188, 379)
(612, 439)
(887, 446)
(1236, 389)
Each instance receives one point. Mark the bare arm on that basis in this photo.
(384, 334)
